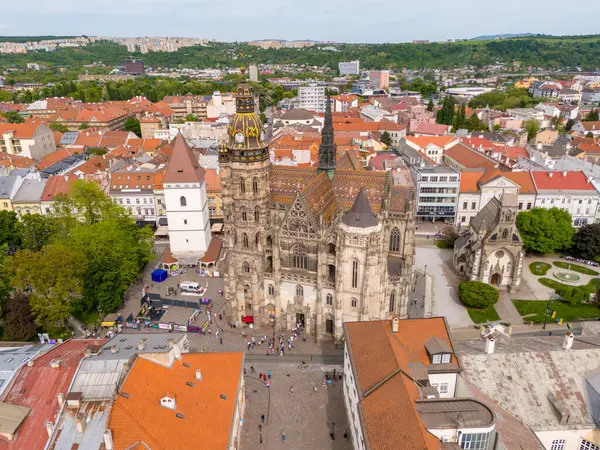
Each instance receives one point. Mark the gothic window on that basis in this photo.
(395, 240)
(353, 302)
(255, 185)
(392, 301)
(331, 248)
(245, 240)
(505, 234)
(242, 186)
(269, 241)
(355, 273)
(246, 289)
(299, 291)
(299, 258)
(257, 239)
(271, 290)
(244, 215)
(257, 214)
(246, 267)
(269, 268)
(329, 299)
(182, 201)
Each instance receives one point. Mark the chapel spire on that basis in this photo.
(327, 149)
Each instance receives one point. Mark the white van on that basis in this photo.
(191, 286)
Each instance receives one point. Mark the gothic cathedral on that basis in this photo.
(321, 245)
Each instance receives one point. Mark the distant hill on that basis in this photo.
(501, 36)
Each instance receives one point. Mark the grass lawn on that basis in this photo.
(574, 268)
(539, 268)
(567, 312)
(444, 244)
(591, 287)
(483, 315)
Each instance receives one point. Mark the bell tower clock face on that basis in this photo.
(239, 138)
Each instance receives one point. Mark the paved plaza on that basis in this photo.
(305, 417)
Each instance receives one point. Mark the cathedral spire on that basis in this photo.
(327, 149)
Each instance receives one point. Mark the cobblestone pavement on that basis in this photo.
(305, 417)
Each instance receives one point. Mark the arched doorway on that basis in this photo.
(495, 280)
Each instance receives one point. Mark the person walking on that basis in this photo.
(345, 435)
(221, 340)
(291, 391)
(260, 376)
(269, 373)
(262, 418)
(252, 369)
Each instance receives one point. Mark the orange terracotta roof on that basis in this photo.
(55, 157)
(132, 180)
(570, 181)
(212, 180)
(468, 181)
(183, 166)
(207, 417)
(320, 198)
(591, 126)
(58, 184)
(514, 152)
(439, 141)
(213, 251)
(20, 130)
(57, 135)
(432, 128)
(16, 161)
(469, 158)
(167, 257)
(479, 143)
(523, 179)
(94, 165)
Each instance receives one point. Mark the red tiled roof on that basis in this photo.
(55, 157)
(432, 128)
(469, 158)
(439, 141)
(37, 387)
(591, 126)
(183, 166)
(565, 181)
(58, 184)
(20, 130)
(468, 181)
(212, 180)
(213, 251)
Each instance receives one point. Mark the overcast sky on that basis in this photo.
(333, 20)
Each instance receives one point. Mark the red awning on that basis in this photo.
(248, 319)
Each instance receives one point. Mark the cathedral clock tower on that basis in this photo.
(245, 165)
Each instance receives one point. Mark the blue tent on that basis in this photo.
(159, 275)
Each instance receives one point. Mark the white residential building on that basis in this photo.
(25, 139)
(349, 68)
(312, 97)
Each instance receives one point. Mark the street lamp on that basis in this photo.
(546, 314)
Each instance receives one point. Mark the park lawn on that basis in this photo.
(591, 287)
(488, 314)
(444, 244)
(563, 310)
(539, 268)
(574, 268)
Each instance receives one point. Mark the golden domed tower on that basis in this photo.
(245, 166)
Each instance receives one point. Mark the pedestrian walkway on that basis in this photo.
(507, 311)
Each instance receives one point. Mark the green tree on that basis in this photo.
(17, 320)
(430, 105)
(36, 231)
(446, 114)
(54, 278)
(476, 294)
(13, 117)
(57, 126)
(84, 126)
(532, 127)
(569, 124)
(191, 118)
(386, 138)
(86, 201)
(133, 125)
(545, 230)
(586, 242)
(592, 116)
(474, 123)
(9, 229)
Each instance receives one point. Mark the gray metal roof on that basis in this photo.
(30, 191)
(68, 163)
(12, 359)
(96, 415)
(68, 138)
(7, 184)
(98, 375)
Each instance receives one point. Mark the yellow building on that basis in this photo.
(27, 198)
(524, 84)
(213, 194)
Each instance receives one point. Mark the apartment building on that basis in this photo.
(349, 68)
(437, 192)
(433, 147)
(213, 195)
(134, 190)
(379, 79)
(312, 97)
(33, 141)
(183, 105)
(103, 117)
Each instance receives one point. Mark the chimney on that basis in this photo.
(66, 177)
(80, 421)
(168, 401)
(198, 374)
(141, 345)
(550, 174)
(108, 440)
(49, 428)
(590, 179)
(61, 399)
(114, 348)
(171, 342)
(395, 323)
(489, 345)
(568, 341)
(564, 173)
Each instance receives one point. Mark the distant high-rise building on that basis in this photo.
(134, 67)
(349, 68)
(253, 73)
(379, 79)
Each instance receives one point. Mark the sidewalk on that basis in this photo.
(507, 311)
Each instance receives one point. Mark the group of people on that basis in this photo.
(275, 347)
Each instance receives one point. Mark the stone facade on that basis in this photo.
(322, 246)
(491, 251)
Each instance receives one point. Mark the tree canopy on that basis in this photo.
(545, 230)
(476, 294)
(133, 125)
(586, 242)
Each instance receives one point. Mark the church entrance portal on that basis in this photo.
(329, 326)
(300, 318)
(495, 280)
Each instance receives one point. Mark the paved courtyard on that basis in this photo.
(445, 299)
(305, 417)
